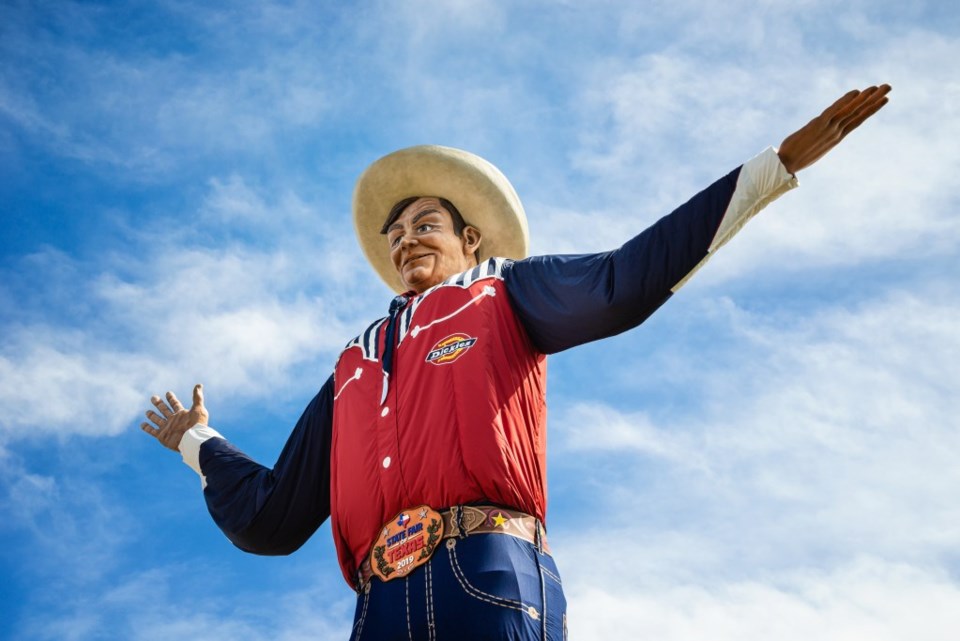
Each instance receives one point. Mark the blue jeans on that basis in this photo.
(482, 587)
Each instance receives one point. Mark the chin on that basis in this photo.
(419, 283)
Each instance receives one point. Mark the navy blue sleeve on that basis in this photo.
(273, 511)
(565, 301)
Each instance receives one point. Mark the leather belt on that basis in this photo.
(465, 520)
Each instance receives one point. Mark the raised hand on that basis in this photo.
(806, 145)
(173, 421)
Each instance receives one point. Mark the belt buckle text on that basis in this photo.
(406, 542)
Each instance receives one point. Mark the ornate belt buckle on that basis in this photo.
(406, 542)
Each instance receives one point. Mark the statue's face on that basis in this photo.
(424, 248)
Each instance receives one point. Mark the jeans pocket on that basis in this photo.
(551, 575)
(487, 586)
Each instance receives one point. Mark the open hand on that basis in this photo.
(173, 421)
(805, 146)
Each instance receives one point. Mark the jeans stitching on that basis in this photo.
(406, 589)
(363, 614)
(543, 601)
(551, 575)
(431, 624)
(480, 594)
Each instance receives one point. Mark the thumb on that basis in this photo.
(197, 396)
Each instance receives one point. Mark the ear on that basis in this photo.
(471, 238)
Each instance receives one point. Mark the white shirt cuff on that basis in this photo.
(190, 447)
(761, 181)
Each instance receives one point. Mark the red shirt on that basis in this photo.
(463, 419)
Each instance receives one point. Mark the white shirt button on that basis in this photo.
(386, 462)
(384, 411)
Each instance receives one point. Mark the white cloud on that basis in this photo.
(425, 24)
(657, 129)
(633, 433)
(232, 200)
(153, 108)
(51, 385)
(171, 310)
(72, 524)
(177, 602)
(226, 318)
(809, 441)
(865, 599)
(806, 492)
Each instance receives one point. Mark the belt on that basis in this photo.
(464, 520)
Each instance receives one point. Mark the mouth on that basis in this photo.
(412, 259)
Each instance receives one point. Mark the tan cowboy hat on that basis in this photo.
(482, 194)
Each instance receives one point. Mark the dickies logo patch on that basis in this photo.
(450, 349)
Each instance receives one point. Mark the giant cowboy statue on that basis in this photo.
(426, 447)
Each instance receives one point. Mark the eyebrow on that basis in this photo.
(415, 219)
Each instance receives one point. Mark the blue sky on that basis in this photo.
(772, 455)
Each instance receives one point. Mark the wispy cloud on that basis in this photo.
(808, 486)
(177, 307)
(658, 128)
(102, 570)
(811, 446)
(177, 601)
(74, 526)
(866, 598)
(157, 104)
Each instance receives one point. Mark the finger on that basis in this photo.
(851, 107)
(865, 100)
(863, 115)
(174, 402)
(160, 405)
(853, 100)
(873, 99)
(197, 396)
(156, 418)
(841, 102)
(150, 429)
(883, 89)
(879, 95)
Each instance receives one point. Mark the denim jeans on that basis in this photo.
(482, 587)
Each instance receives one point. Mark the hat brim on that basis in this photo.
(483, 195)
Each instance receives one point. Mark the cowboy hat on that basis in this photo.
(482, 194)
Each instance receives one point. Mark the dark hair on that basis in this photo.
(458, 222)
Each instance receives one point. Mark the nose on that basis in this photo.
(402, 249)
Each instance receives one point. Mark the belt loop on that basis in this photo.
(455, 521)
(461, 532)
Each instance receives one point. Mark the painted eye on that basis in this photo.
(395, 241)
